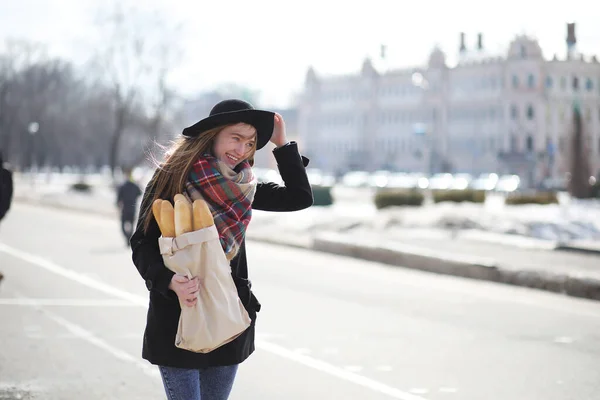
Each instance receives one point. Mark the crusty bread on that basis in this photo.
(156, 212)
(183, 217)
(180, 196)
(167, 218)
(202, 215)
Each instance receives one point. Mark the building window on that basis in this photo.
(529, 143)
(549, 82)
(589, 85)
(575, 83)
(515, 81)
(531, 81)
(514, 112)
(523, 51)
(513, 144)
(530, 112)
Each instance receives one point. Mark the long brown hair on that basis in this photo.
(171, 175)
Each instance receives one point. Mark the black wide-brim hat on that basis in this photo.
(233, 112)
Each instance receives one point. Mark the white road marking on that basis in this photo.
(336, 371)
(353, 368)
(89, 337)
(301, 350)
(143, 302)
(27, 301)
(448, 390)
(564, 340)
(74, 276)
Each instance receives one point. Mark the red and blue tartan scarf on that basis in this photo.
(229, 194)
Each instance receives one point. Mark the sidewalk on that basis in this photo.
(342, 230)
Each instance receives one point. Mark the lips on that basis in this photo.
(232, 158)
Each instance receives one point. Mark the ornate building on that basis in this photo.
(505, 114)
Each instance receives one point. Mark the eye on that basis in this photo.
(250, 145)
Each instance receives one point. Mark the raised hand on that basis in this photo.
(279, 137)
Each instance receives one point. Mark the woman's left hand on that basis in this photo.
(279, 137)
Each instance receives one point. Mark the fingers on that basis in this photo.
(191, 302)
(187, 289)
(180, 278)
(192, 286)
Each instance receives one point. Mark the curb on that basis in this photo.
(578, 249)
(467, 267)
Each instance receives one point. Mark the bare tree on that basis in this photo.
(139, 50)
(15, 103)
(579, 186)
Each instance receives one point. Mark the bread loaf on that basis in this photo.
(180, 196)
(183, 217)
(156, 212)
(167, 219)
(202, 215)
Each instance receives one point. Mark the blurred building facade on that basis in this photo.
(506, 114)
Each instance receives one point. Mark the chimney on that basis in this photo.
(462, 48)
(479, 41)
(571, 39)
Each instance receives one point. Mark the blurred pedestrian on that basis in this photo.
(6, 187)
(6, 190)
(127, 197)
(213, 160)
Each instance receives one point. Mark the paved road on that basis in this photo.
(72, 308)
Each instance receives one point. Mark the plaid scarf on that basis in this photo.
(228, 193)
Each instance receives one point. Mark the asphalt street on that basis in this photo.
(72, 312)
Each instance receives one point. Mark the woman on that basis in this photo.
(213, 154)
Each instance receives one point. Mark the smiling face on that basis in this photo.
(235, 143)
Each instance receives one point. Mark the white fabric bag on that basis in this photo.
(219, 316)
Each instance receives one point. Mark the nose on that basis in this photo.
(240, 149)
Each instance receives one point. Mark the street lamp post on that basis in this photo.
(423, 129)
(33, 128)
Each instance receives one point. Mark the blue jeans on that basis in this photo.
(212, 383)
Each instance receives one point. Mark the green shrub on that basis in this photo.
(81, 187)
(390, 197)
(322, 195)
(532, 198)
(458, 196)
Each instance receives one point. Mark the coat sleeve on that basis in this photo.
(296, 193)
(146, 254)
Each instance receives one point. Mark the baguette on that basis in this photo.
(167, 218)
(180, 196)
(202, 215)
(156, 212)
(183, 217)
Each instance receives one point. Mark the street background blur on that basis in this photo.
(453, 251)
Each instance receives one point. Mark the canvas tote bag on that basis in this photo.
(218, 317)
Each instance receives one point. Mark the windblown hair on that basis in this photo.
(171, 175)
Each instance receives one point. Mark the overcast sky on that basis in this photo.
(268, 44)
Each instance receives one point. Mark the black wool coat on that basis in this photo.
(163, 311)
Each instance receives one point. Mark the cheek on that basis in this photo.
(220, 147)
